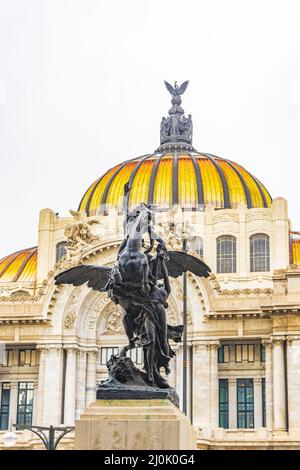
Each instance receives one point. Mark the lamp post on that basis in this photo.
(184, 351)
(49, 441)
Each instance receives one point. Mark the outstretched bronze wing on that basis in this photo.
(170, 88)
(182, 88)
(180, 262)
(95, 276)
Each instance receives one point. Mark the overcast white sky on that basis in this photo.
(81, 89)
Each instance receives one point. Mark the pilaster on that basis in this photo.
(52, 391)
(268, 344)
(91, 376)
(293, 375)
(279, 384)
(70, 386)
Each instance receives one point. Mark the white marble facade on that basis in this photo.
(70, 326)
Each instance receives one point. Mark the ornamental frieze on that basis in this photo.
(237, 292)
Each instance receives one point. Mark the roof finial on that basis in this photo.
(176, 131)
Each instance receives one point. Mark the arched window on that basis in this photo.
(196, 244)
(226, 254)
(60, 250)
(259, 253)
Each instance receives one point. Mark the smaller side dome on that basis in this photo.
(19, 266)
(295, 248)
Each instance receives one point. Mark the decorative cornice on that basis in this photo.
(22, 296)
(223, 315)
(237, 292)
(92, 352)
(25, 321)
(49, 347)
(73, 348)
(200, 345)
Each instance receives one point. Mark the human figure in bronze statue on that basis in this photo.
(135, 284)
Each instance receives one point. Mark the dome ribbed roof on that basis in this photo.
(19, 266)
(189, 179)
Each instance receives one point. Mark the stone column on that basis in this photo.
(52, 390)
(293, 374)
(80, 382)
(279, 384)
(269, 383)
(40, 389)
(232, 404)
(91, 376)
(201, 384)
(214, 384)
(172, 376)
(257, 403)
(179, 373)
(35, 402)
(70, 386)
(13, 405)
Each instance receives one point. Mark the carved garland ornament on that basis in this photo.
(234, 292)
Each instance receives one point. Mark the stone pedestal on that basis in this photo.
(134, 425)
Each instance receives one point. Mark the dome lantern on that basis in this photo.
(176, 130)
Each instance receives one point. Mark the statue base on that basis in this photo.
(117, 391)
(134, 425)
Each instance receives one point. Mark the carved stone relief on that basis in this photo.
(70, 319)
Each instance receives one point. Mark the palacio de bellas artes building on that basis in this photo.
(243, 322)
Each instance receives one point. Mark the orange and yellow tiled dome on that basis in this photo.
(188, 179)
(295, 248)
(19, 266)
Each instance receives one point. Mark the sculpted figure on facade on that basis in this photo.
(79, 235)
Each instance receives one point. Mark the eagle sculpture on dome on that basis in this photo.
(176, 127)
(176, 90)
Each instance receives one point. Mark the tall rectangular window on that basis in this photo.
(259, 253)
(106, 354)
(60, 250)
(25, 403)
(262, 353)
(226, 254)
(223, 403)
(223, 353)
(4, 409)
(263, 400)
(136, 355)
(244, 352)
(238, 353)
(245, 403)
(28, 357)
(7, 358)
